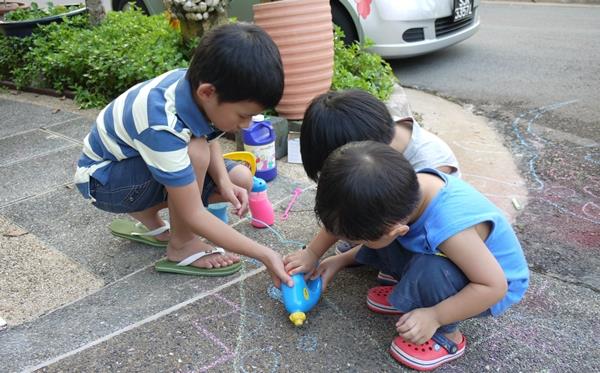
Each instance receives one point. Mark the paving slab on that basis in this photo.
(75, 129)
(34, 278)
(37, 175)
(27, 145)
(242, 328)
(63, 219)
(131, 318)
(477, 146)
(66, 221)
(17, 116)
(134, 298)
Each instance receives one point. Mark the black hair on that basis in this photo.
(242, 62)
(337, 118)
(364, 189)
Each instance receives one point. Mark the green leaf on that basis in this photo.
(355, 67)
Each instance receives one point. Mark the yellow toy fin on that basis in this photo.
(297, 318)
(246, 157)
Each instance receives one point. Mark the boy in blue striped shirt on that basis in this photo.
(153, 147)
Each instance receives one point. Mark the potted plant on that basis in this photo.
(303, 32)
(21, 22)
(8, 6)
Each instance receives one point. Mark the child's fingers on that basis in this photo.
(403, 328)
(422, 340)
(403, 325)
(282, 277)
(241, 201)
(243, 208)
(288, 280)
(409, 337)
(319, 271)
(276, 281)
(290, 266)
(403, 318)
(297, 268)
(243, 196)
(237, 207)
(290, 257)
(326, 279)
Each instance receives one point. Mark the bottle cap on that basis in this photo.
(258, 118)
(259, 185)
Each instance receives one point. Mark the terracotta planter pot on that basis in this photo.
(303, 31)
(10, 6)
(25, 28)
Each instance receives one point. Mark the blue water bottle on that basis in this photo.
(301, 297)
(259, 139)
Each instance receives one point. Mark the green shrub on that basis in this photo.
(35, 12)
(12, 54)
(102, 62)
(354, 67)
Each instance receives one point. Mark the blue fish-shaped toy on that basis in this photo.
(301, 297)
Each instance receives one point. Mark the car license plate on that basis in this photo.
(462, 9)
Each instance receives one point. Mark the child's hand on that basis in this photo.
(418, 325)
(274, 265)
(327, 269)
(237, 196)
(301, 261)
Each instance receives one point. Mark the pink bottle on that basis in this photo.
(260, 206)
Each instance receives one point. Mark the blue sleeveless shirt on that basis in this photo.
(459, 206)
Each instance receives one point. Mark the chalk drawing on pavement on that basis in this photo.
(476, 147)
(565, 199)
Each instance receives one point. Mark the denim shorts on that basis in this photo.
(424, 280)
(131, 187)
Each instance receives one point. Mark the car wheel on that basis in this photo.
(126, 5)
(342, 18)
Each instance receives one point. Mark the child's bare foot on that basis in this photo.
(152, 222)
(164, 236)
(455, 336)
(196, 245)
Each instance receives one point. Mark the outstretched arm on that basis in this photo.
(304, 261)
(188, 214)
(330, 266)
(185, 203)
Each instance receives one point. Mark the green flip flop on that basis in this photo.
(184, 267)
(138, 232)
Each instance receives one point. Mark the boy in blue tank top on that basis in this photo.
(336, 118)
(453, 252)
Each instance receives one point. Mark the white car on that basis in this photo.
(398, 28)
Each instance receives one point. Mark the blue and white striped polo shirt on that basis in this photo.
(155, 120)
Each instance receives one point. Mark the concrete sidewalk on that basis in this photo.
(78, 299)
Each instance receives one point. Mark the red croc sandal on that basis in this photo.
(377, 300)
(428, 356)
